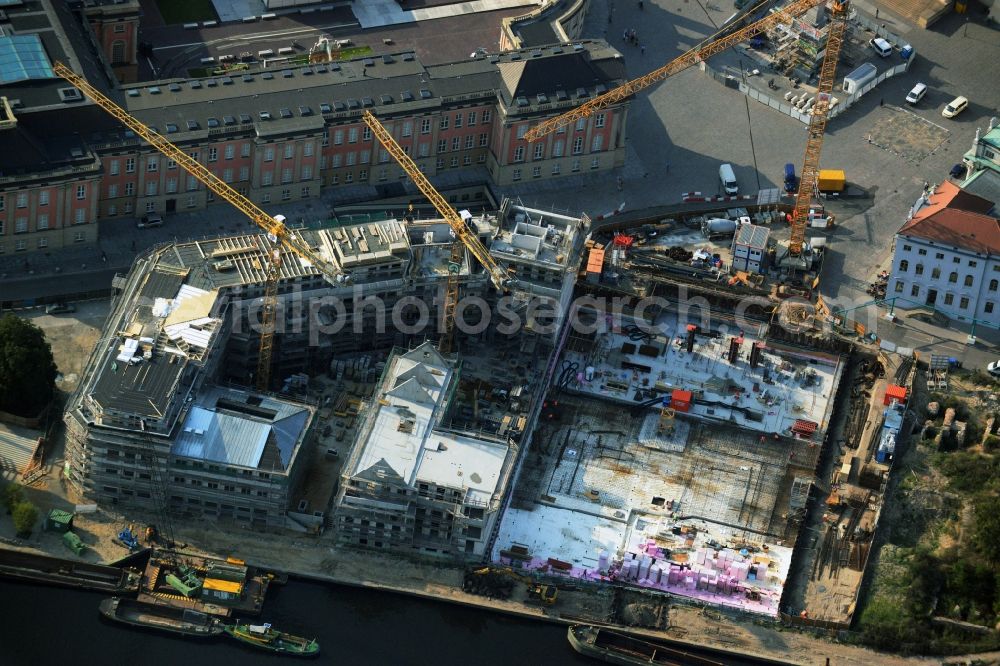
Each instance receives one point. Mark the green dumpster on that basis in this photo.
(59, 521)
(73, 542)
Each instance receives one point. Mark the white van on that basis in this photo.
(916, 94)
(150, 220)
(955, 107)
(728, 179)
(882, 47)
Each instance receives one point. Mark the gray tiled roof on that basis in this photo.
(345, 86)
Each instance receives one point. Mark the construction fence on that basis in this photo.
(843, 103)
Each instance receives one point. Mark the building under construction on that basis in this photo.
(156, 421)
(412, 482)
(679, 461)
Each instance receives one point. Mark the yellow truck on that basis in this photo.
(831, 180)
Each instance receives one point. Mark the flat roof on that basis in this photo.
(595, 260)
(144, 389)
(788, 386)
(369, 243)
(752, 235)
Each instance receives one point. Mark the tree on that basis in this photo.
(25, 515)
(12, 495)
(987, 526)
(27, 371)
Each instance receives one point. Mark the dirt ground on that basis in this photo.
(907, 135)
(72, 338)
(320, 558)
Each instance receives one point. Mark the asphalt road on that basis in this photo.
(679, 132)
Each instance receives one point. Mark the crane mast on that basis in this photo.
(817, 127)
(278, 234)
(498, 275)
(463, 236)
(716, 43)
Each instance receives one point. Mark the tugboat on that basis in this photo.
(263, 636)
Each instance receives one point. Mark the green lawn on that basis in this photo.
(352, 52)
(186, 11)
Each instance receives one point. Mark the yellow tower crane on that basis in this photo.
(499, 276)
(279, 236)
(716, 43)
(817, 126)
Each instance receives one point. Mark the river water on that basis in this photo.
(42, 625)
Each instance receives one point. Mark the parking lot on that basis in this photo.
(679, 131)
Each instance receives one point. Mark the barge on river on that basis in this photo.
(163, 618)
(617, 648)
(68, 573)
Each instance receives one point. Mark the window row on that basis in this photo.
(940, 256)
(967, 280)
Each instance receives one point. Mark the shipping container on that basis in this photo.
(831, 180)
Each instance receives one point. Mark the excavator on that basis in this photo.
(539, 592)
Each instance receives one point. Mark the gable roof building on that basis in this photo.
(947, 256)
(410, 484)
(954, 217)
(470, 115)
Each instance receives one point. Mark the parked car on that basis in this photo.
(994, 368)
(791, 180)
(150, 220)
(957, 171)
(882, 47)
(60, 308)
(917, 93)
(955, 107)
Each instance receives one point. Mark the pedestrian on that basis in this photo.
(881, 102)
(640, 5)
(876, 12)
(609, 18)
(642, 48)
(620, 183)
(667, 167)
(625, 35)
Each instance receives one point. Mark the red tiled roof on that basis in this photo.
(957, 218)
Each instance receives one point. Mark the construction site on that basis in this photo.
(675, 457)
(647, 445)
